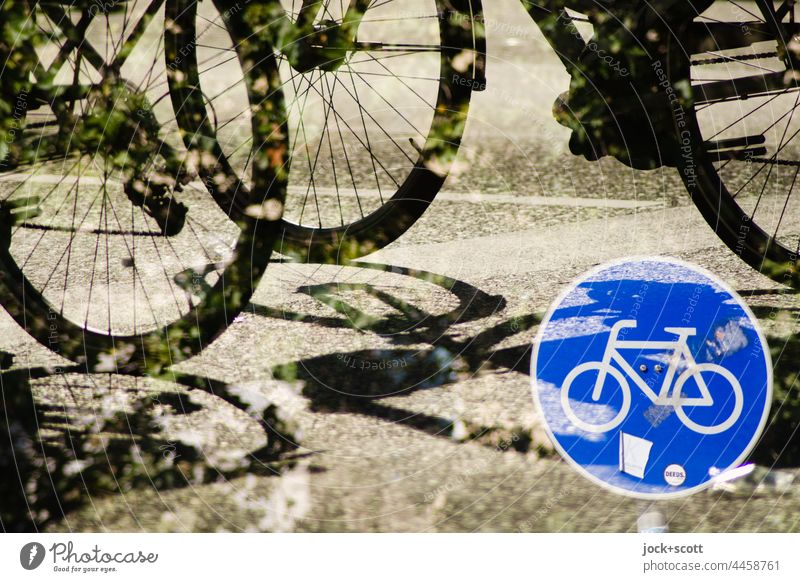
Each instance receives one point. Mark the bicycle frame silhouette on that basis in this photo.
(671, 390)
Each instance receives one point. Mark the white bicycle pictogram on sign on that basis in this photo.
(668, 394)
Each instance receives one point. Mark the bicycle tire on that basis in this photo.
(737, 393)
(588, 426)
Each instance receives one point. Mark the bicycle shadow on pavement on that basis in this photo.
(357, 381)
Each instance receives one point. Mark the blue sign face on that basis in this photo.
(652, 377)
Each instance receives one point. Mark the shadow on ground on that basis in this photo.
(67, 450)
(355, 382)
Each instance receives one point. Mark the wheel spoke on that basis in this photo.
(751, 132)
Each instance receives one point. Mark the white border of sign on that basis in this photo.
(539, 409)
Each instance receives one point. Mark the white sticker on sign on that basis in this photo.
(634, 452)
(675, 475)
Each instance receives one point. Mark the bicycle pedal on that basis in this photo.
(169, 214)
(154, 199)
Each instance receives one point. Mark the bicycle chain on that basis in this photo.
(721, 60)
(776, 162)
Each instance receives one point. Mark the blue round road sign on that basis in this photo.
(652, 377)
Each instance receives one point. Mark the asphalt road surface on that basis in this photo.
(411, 409)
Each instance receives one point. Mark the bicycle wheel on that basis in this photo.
(741, 156)
(94, 263)
(374, 125)
(595, 416)
(711, 425)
